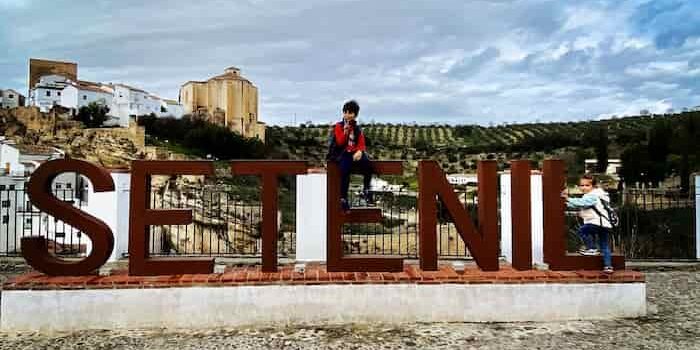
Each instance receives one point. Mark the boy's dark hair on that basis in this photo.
(590, 177)
(351, 107)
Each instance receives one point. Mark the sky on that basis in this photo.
(449, 61)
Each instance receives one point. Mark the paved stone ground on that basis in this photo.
(673, 323)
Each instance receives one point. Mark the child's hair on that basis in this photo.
(591, 178)
(351, 107)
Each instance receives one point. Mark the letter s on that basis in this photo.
(34, 249)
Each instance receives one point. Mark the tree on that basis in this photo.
(93, 115)
(601, 149)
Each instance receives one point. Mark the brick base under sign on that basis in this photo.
(316, 274)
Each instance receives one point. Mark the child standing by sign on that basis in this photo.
(596, 220)
(347, 147)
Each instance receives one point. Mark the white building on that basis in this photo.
(9, 159)
(613, 169)
(10, 99)
(380, 185)
(124, 101)
(53, 90)
(132, 102)
(172, 108)
(90, 92)
(462, 179)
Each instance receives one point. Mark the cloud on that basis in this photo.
(449, 61)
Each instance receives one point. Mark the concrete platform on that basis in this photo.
(247, 296)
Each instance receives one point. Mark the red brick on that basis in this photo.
(374, 276)
(361, 276)
(325, 276)
(413, 273)
(590, 275)
(449, 272)
(388, 276)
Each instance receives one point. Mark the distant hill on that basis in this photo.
(458, 147)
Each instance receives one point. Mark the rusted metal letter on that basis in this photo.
(269, 170)
(336, 262)
(34, 248)
(482, 243)
(141, 216)
(521, 214)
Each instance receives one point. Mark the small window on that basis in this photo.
(58, 186)
(11, 96)
(6, 204)
(5, 219)
(48, 93)
(27, 221)
(84, 97)
(69, 186)
(59, 93)
(2, 187)
(12, 187)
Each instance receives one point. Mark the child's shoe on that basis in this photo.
(367, 197)
(589, 252)
(344, 205)
(608, 269)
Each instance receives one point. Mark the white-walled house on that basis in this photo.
(10, 99)
(10, 164)
(131, 102)
(613, 169)
(124, 101)
(52, 90)
(172, 108)
(462, 179)
(90, 92)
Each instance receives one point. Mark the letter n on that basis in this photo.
(482, 242)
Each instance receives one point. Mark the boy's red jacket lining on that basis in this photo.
(340, 139)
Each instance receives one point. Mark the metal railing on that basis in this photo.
(224, 223)
(398, 233)
(19, 218)
(654, 224)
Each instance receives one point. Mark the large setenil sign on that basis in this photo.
(482, 240)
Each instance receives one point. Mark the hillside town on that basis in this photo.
(229, 99)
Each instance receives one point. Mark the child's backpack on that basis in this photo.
(334, 151)
(610, 213)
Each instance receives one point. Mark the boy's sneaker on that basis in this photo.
(367, 197)
(589, 252)
(344, 205)
(608, 269)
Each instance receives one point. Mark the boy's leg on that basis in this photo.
(603, 236)
(365, 168)
(586, 232)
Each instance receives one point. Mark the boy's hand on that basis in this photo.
(357, 156)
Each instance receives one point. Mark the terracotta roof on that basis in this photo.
(131, 88)
(90, 86)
